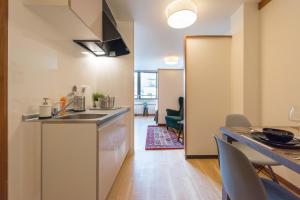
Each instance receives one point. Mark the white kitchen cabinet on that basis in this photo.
(69, 161)
(113, 148)
(90, 12)
(81, 160)
(76, 18)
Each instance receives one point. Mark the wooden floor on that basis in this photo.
(164, 175)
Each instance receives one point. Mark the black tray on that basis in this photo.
(293, 144)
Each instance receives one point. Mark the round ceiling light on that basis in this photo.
(181, 13)
(171, 60)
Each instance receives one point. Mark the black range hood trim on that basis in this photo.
(97, 42)
(112, 48)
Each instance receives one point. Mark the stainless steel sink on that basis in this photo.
(82, 116)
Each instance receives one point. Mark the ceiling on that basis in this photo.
(154, 39)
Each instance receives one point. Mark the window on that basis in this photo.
(145, 85)
(135, 85)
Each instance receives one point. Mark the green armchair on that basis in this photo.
(174, 116)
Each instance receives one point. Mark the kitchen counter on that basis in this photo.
(82, 152)
(109, 115)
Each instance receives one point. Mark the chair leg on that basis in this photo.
(259, 168)
(178, 137)
(272, 174)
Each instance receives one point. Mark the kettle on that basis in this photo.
(79, 101)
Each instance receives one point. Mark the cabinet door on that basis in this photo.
(113, 148)
(69, 161)
(90, 13)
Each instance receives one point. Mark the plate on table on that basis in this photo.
(278, 135)
(293, 144)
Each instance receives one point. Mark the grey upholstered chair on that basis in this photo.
(240, 180)
(258, 159)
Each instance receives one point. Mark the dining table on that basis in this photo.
(289, 158)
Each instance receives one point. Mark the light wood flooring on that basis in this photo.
(164, 175)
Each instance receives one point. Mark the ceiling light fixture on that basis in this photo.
(181, 13)
(99, 53)
(171, 60)
(85, 53)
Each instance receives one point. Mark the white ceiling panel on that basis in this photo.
(154, 39)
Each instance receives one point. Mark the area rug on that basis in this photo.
(159, 138)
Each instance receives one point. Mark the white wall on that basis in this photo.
(264, 64)
(170, 88)
(252, 81)
(156, 67)
(245, 70)
(280, 61)
(44, 63)
(207, 91)
(237, 62)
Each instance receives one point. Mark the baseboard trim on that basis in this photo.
(161, 124)
(201, 156)
(285, 182)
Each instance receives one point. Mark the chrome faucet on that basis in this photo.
(70, 96)
(56, 113)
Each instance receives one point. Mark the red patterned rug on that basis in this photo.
(159, 138)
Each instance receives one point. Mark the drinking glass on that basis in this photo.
(294, 116)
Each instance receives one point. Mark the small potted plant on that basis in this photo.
(96, 98)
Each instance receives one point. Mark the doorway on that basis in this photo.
(157, 92)
(145, 104)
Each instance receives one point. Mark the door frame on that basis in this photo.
(3, 100)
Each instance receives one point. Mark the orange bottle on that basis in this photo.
(63, 103)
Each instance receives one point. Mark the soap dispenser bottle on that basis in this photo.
(45, 110)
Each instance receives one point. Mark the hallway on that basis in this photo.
(164, 175)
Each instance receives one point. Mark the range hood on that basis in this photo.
(113, 44)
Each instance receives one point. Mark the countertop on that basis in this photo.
(110, 114)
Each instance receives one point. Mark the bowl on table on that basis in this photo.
(277, 135)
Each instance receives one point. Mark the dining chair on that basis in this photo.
(240, 180)
(256, 158)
